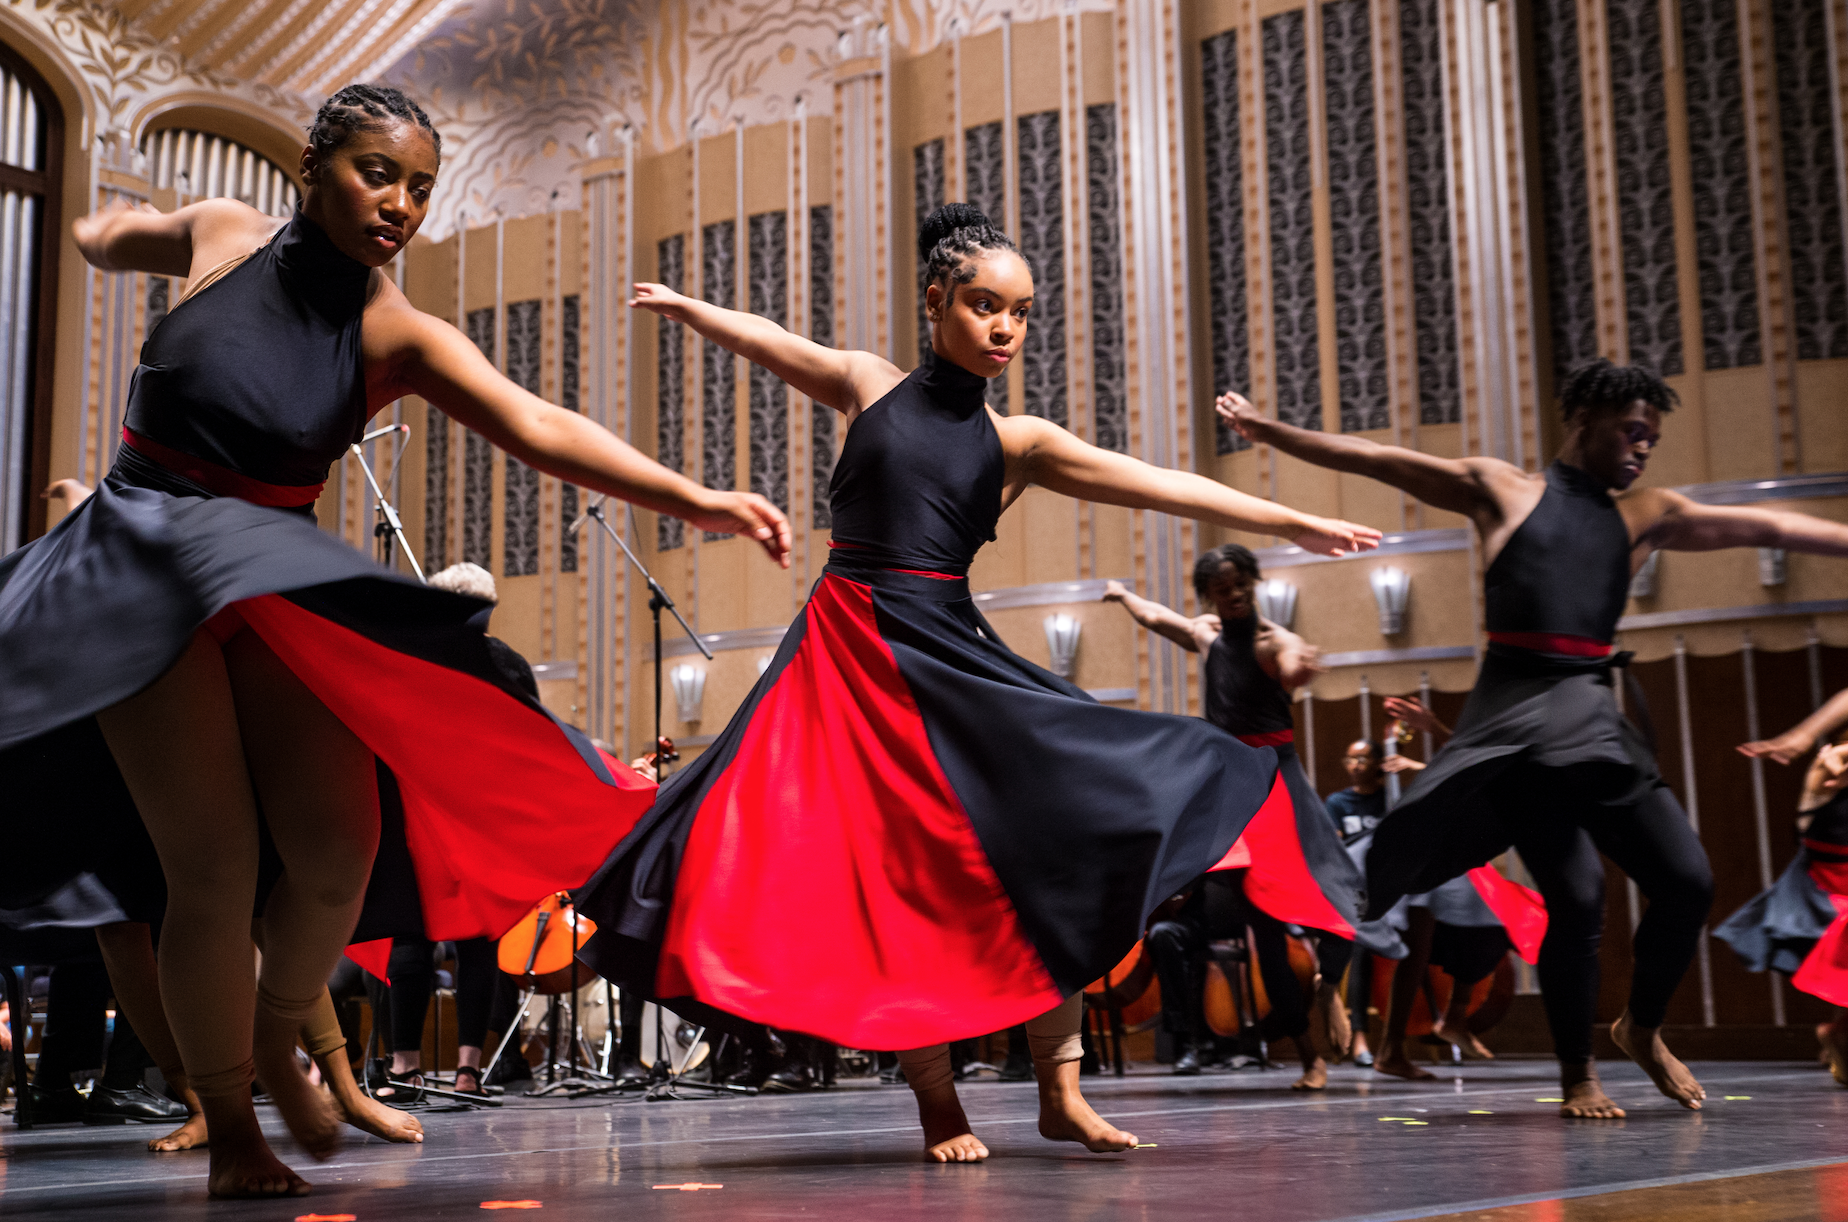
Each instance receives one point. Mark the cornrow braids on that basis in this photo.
(951, 238)
(358, 108)
(1600, 384)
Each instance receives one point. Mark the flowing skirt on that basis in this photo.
(908, 834)
(1799, 926)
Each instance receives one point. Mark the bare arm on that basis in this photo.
(1800, 738)
(1296, 661)
(1684, 526)
(142, 238)
(1054, 459)
(1194, 635)
(843, 380)
(1455, 484)
(428, 357)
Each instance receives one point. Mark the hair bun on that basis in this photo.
(945, 221)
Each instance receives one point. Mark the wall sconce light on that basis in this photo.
(1773, 566)
(763, 664)
(1062, 639)
(1277, 602)
(1391, 587)
(689, 684)
(1643, 583)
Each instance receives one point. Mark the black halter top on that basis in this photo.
(1566, 570)
(1240, 697)
(919, 481)
(262, 372)
(1827, 835)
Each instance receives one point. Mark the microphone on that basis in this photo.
(596, 502)
(390, 428)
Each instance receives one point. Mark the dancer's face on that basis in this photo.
(1232, 594)
(1363, 767)
(1614, 446)
(980, 325)
(373, 192)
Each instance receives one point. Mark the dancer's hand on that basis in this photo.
(1334, 537)
(1788, 746)
(746, 514)
(72, 492)
(1114, 592)
(658, 298)
(1833, 763)
(1411, 711)
(1240, 414)
(1400, 763)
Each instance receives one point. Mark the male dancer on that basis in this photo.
(1299, 873)
(1542, 759)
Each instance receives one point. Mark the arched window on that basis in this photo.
(198, 165)
(31, 135)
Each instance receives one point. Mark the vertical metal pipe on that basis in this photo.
(1308, 699)
(1685, 718)
(1761, 814)
(1366, 709)
(1813, 649)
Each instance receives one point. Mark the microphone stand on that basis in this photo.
(388, 523)
(664, 1078)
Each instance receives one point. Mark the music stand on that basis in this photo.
(388, 524)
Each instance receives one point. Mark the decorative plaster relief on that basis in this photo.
(1564, 186)
(1812, 191)
(1645, 194)
(520, 522)
(670, 383)
(1042, 241)
(769, 288)
(1292, 221)
(1229, 324)
(1427, 206)
(1109, 395)
(1354, 216)
(1722, 178)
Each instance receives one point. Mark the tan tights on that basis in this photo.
(1052, 1038)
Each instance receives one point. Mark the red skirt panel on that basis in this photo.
(1520, 909)
(1824, 972)
(1299, 872)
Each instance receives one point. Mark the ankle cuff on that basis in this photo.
(927, 1068)
(1053, 1038)
(225, 1081)
(295, 1012)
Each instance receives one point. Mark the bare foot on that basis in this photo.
(1399, 1065)
(1315, 1076)
(189, 1136)
(361, 1110)
(1065, 1116)
(1644, 1046)
(1586, 1100)
(1332, 1019)
(1834, 1039)
(1464, 1038)
(242, 1165)
(307, 1110)
(947, 1138)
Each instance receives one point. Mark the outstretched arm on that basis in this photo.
(1194, 635)
(1055, 459)
(429, 357)
(1799, 739)
(1297, 661)
(142, 238)
(1684, 526)
(1455, 484)
(842, 380)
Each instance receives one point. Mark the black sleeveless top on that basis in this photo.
(262, 372)
(1566, 569)
(1240, 697)
(919, 481)
(1827, 834)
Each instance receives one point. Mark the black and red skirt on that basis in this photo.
(909, 834)
(503, 803)
(1296, 868)
(1799, 925)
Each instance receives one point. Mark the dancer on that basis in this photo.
(1542, 759)
(980, 837)
(232, 653)
(1295, 871)
(1799, 925)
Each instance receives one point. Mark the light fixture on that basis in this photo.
(1277, 602)
(1643, 583)
(1391, 587)
(1062, 639)
(1773, 566)
(689, 683)
(763, 664)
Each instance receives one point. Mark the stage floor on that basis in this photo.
(1482, 1144)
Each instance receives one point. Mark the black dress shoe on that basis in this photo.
(510, 1070)
(631, 1072)
(788, 1078)
(136, 1105)
(61, 1106)
(1188, 1063)
(753, 1067)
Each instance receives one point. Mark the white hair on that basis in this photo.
(466, 578)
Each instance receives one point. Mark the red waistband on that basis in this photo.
(1555, 642)
(222, 480)
(1275, 738)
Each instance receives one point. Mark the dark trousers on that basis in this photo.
(76, 1026)
(1289, 1005)
(1178, 947)
(1563, 819)
(478, 989)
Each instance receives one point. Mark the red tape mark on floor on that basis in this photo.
(326, 1218)
(687, 1187)
(513, 1204)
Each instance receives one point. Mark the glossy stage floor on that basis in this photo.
(1485, 1145)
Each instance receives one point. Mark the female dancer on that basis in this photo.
(1799, 925)
(232, 654)
(977, 838)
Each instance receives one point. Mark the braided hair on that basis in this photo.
(365, 108)
(1600, 384)
(1226, 556)
(949, 241)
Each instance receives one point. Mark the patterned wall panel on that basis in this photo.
(1354, 215)
(1812, 191)
(671, 383)
(821, 330)
(160, 294)
(1645, 195)
(1722, 183)
(436, 489)
(718, 466)
(1427, 208)
(928, 186)
(1042, 241)
(1565, 201)
(1292, 221)
(520, 519)
(1225, 226)
(478, 463)
(1109, 394)
(769, 290)
(985, 176)
(569, 323)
